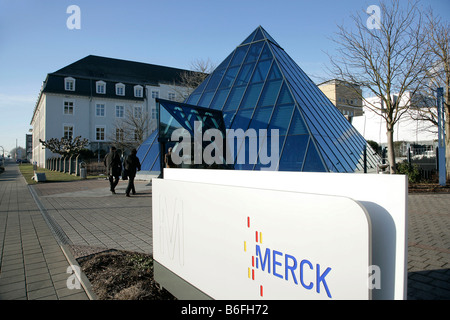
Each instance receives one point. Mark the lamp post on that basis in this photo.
(3, 155)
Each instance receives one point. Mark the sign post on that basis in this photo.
(280, 235)
(441, 136)
(246, 243)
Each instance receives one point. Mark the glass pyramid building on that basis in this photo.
(258, 86)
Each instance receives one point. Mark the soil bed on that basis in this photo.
(122, 275)
(428, 188)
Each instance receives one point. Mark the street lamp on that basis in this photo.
(3, 154)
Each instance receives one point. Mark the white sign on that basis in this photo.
(249, 243)
(384, 197)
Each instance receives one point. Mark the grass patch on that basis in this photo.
(51, 176)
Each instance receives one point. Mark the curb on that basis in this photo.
(62, 240)
(84, 281)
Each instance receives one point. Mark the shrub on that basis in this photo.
(411, 170)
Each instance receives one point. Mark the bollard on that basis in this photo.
(83, 170)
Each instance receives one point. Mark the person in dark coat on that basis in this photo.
(113, 168)
(131, 165)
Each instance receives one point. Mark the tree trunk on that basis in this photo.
(391, 150)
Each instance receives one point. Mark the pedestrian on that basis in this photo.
(168, 159)
(131, 165)
(113, 168)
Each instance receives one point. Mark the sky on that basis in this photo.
(35, 39)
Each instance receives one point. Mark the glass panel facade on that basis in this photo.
(258, 86)
(239, 56)
(220, 98)
(245, 74)
(148, 152)
(261, 71)
(173, 116)
(253, 53)
(234, 99)
(229, 77)
(281, 118)
(294, 152)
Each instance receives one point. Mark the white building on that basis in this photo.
(88, 97)
(373, 127)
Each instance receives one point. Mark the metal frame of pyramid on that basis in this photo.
(258, 86)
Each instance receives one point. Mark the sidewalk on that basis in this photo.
(38, 224)
(429, 246)
(33, 266)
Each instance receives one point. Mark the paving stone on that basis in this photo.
(87, 214)
(25, 241)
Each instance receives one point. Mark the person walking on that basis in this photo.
(131, 165)
(113, 168)
(168, 159)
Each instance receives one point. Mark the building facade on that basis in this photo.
(96, 96)
(410, 129)
(345, 96)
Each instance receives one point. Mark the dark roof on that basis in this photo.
(87, 71)
(87, 87)
(102, 68)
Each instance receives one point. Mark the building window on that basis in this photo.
(120, 89)
(138, 91)
(68, 107)
(154, 115)
(69, 84)
(119, 134)
(100, 87)
(138, 112)
(171, 96)
(100, 110)
(68, 131)
(155, 94)
(120, 111)
(100, 133)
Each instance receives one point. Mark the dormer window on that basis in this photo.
(69, 84)
(138, 91)
(120, 89)
(100, 87)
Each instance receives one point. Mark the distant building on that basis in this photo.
(408, 129)
(29, 145)
(345, 96)
(89, 97)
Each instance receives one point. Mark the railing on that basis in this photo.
(71, 165)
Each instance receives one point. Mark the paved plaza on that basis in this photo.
(40, 226)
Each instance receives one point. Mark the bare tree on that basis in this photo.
(389, 61)
(438, 37)
(66, 147)
(130, 131)
(190, 80)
